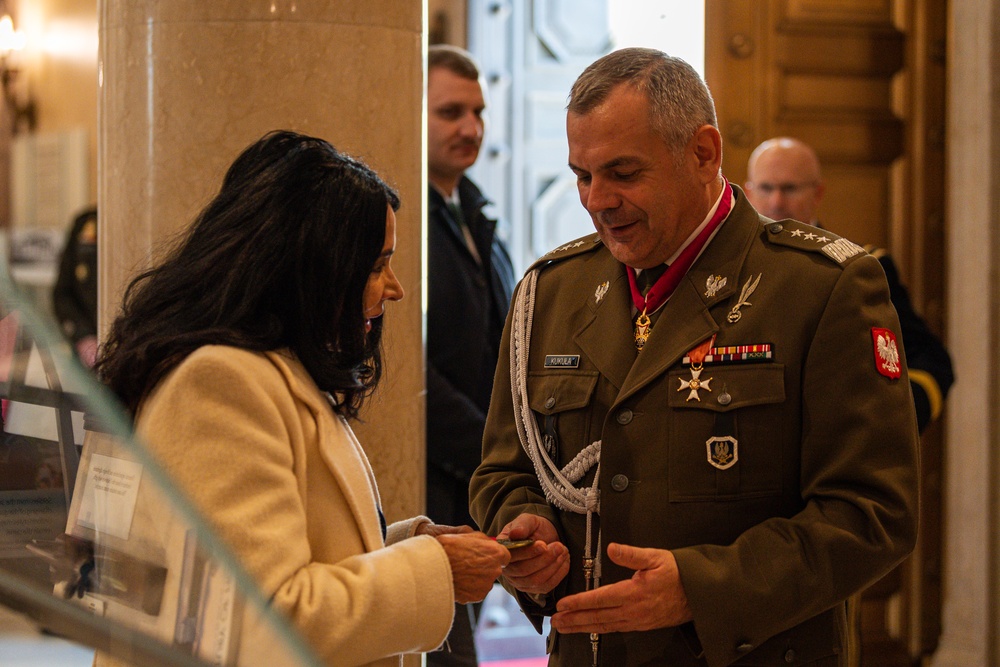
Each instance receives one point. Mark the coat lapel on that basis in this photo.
(609, 323)
(682, 324)
(341, 452)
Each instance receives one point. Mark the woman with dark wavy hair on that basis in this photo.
(242, 356)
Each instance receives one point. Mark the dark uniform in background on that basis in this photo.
(784, 180)
(782, 483)
(74, 297)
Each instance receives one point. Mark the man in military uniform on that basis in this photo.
(708, 468)
(784, 180)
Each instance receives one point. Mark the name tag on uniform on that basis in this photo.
(562, 361)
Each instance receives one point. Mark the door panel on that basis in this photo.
(541, 46)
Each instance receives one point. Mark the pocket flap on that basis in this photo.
(730, 387)
(557, 391)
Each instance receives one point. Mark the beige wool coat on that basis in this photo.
(255, 445)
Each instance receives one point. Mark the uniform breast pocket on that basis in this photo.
(727, 443)
(561, 403)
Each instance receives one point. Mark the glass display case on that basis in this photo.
(96, 544)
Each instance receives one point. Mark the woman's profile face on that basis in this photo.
(382, 283)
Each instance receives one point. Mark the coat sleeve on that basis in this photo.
(229, 433)
(858, 485)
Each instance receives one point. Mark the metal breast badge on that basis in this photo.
(722, 452)
(748, 289)
(601, 290)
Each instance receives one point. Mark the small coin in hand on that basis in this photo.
(515, 544)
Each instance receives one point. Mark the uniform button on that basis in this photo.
(619, 482)
(624, 416)
(725, 398)
(744, 647)
(790, 656)
(551, 402)
(775, 227)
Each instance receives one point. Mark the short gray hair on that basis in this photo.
(679, 100)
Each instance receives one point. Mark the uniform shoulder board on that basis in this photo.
(571, 249)
(799, 235)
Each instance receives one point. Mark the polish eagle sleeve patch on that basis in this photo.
(886, 353)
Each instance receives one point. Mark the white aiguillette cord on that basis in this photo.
(557, 484)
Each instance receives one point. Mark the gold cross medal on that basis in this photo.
(695, 383)
(641, 330)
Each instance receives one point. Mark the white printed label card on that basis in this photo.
(109, 495)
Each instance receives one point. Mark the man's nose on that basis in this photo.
(600, 196)
(471, 125)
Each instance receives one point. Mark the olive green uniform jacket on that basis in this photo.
(818, 498)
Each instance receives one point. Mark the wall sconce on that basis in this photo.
(11, 40)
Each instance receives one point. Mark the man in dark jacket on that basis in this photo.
(470, 279)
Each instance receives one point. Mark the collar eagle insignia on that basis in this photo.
(713, 285)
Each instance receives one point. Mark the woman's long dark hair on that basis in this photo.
(278, 259)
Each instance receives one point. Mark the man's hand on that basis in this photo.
(652, 598)
(539, 567)
(476, 562)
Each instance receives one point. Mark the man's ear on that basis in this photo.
(707, 143)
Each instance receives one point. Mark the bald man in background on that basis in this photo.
(784, 181)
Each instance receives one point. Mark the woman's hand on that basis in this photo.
(476, 562)
(435, 529)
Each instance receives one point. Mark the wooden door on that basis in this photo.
(863, 82)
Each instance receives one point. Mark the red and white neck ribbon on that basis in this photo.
(667, 283)
(671, 278)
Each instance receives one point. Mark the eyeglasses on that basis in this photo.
(786, 189)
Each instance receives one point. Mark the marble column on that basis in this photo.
(185, 85)
(971, 616)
